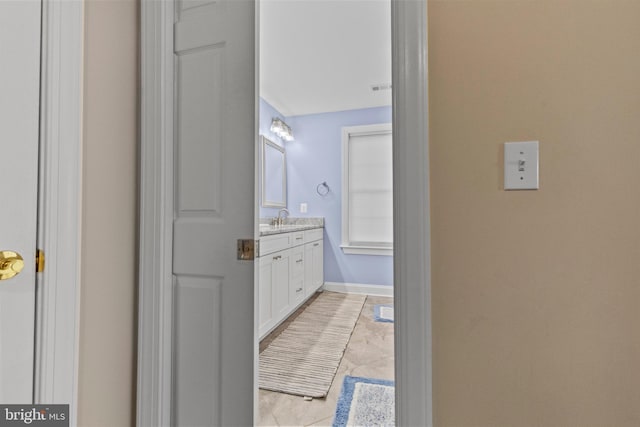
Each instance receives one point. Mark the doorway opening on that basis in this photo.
(325, 160)
(157, 392)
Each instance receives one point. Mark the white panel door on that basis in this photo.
(215, 139)
(19, 116)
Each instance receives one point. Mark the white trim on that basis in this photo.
(348, 247)
(60, 207)
(359, 288)
(156, 214)
(256, 223)
(366, 250)
(412, 261)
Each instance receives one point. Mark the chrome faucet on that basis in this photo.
(279, 219)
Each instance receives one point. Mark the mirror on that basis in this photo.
(274, 174)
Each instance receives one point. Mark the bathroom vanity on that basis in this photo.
(291, 269)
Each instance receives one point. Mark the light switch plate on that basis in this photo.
(521, 165)
(303, 208)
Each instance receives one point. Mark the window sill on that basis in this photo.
(366, 250)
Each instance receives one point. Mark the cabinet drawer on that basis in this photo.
(313, 235)
(297, 262)
(296, 290)
(297, 238)
(274, 243)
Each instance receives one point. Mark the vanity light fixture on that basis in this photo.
(281, 129)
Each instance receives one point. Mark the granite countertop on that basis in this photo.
(290, 224)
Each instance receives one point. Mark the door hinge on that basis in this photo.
(39, 260)
(247, 249)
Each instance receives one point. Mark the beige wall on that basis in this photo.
(536, 295)
(108, 306)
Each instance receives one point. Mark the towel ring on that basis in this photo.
(323, 189)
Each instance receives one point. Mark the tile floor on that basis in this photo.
(369, 354)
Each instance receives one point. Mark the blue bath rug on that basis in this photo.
(365, 402)
(383, 313)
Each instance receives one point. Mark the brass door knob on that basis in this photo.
(11, 263)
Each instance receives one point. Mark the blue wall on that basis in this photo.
(315, 156)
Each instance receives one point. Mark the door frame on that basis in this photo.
(411, 214)
(412, 253)
(60, 205)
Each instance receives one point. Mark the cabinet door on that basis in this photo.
(314, 269)
(265, 295)
(317, 260)
(280, 279)
(308, 270)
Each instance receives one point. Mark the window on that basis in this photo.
(367, 190)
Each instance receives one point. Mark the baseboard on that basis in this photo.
(359, 288)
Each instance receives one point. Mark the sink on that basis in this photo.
(285, 228)
(279, 227)
(265, 229)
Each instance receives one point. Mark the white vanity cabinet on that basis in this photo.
(291, 271)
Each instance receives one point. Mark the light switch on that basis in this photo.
(521, 165)
(303, 208)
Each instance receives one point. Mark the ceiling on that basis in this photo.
(321, 56)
